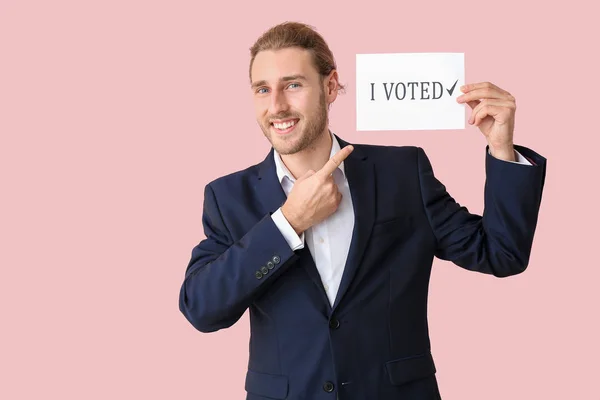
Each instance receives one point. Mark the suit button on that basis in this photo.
(264, 270)
(258, 275)
(328, 387)
(270, 265)
(276, 259)
(334, 324)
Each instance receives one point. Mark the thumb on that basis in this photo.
(306, 175)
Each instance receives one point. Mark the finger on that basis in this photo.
(483, 103)
(480, 94)
(337, 198)
(485, 111)
(510, 101)
(329, 183)
(307, 174)
(480, 85)
(335, 161)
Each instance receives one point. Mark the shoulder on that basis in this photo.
(234, 178)
(235, 181)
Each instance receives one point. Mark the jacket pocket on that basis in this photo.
(393, 227)
(408, 369)
(267, 385)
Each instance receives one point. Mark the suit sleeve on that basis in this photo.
(223, 278)
(500, 241)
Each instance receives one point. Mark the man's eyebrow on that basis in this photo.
(293, 78)
(284, 79)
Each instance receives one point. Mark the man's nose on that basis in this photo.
(278, 103)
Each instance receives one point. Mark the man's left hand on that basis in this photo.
(494, 114)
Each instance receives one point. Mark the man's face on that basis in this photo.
(289, 99)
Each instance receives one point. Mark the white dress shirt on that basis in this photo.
(329, 240)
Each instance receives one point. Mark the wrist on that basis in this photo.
(504, 152)
(291, 219)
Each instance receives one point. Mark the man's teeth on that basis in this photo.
(284, 125)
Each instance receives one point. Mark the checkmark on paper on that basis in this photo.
(451, 90)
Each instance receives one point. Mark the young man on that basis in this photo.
(330, 244)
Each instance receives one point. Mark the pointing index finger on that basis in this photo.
(335, 161)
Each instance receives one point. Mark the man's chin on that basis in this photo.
(285, 148)
(283, 145)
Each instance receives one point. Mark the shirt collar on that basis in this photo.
(283, 172)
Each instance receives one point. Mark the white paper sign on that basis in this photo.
(409, 91)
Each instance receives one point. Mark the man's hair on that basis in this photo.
(296, 34)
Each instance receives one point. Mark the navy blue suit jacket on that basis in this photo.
(373, 343)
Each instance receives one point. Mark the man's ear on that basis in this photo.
(331, 86)
(332, 82)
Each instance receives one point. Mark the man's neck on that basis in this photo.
(313, 157)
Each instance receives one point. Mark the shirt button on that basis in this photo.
(321, 240)
(328, 387)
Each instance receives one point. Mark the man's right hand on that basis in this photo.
(315, 195)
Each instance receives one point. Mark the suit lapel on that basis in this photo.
(360, 173)
(267, 188)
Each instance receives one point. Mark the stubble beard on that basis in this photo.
(313, 129)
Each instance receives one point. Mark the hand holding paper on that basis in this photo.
(494, 114)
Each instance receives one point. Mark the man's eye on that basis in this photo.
(292, 84)
(259, 90)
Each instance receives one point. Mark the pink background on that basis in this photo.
(115, 114)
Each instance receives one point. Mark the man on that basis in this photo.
(330, 245)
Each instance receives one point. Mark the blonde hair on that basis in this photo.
(296, 34)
